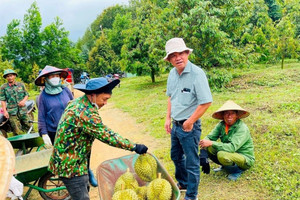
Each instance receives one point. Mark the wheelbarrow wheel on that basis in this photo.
(50, 181)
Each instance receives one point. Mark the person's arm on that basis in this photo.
(239, 138)
(5, 113)
(42, 127)
(201, 109)
(168, 117)
(23, 101)
(69, 93)
(212, 136)
(92, 124)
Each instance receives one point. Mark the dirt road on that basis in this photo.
(123, 124)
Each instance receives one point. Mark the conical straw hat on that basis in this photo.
(7, 165)
(230, 105)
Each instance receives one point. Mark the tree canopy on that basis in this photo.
(224, 33)
(30, 48)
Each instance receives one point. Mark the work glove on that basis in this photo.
(47, 140)
(205, 165)
(140, 149)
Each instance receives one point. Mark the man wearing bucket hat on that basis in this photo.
(235, 150)
(189, 97)
(13, 97)
(79, 126)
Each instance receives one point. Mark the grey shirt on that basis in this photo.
(187, 91)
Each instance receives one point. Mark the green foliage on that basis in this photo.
(227, 33)
(102, 58)
(218, 79)
(3, 66)
(273, 122)
(274, 10)
(32, 46)
(286, 45)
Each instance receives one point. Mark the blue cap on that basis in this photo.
(97, 85)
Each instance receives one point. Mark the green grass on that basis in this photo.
(272, 96)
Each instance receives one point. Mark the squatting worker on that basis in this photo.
(235, 150)
(13, 96)
(79, 126)
(189, 97)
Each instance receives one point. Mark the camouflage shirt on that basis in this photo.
(13, 94)
(79, 125)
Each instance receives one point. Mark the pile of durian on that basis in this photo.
(157, 188)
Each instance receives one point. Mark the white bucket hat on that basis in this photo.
(175, 45)
(230, 105)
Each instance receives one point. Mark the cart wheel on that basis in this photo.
(50, 181)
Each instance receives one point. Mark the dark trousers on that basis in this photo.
(78, 187)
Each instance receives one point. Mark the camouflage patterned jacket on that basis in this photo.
(79, 125)
(13, 95)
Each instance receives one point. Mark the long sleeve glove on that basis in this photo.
(47, 140)
(205, 165)
(140, 148)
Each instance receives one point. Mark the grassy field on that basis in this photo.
(272, 96)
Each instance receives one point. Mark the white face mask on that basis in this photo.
(94, 104)
(54, 81)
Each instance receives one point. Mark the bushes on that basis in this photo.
(218, 78)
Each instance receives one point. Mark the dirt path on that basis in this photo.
(126, 126)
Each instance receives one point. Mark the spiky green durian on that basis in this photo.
(127, 194)
(159, 189)
(141, 192)
(127, 180)
(146, 167)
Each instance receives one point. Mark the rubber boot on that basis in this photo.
(92, 179)
(234, 172)
(219, 169)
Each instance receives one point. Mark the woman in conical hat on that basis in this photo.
(235, 150)
(52, 101)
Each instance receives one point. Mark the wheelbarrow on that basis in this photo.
(110, 170)
(31, 169)
(26, 142)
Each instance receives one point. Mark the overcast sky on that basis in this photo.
(76, 15)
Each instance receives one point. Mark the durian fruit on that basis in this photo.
(159, 189)
(127, 194)
(146, 167)
(127, 180)
(141, 192)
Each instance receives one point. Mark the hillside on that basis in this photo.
(272, 97)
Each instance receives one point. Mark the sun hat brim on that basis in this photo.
(4, 75)
(177, 50)
(108, 86)
(39, 81)
(230, 105)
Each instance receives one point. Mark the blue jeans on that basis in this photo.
(184, 153)
(77, 186)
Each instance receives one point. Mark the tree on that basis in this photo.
(31, 41)
(11, 43)
(144, 40)
(30, 46)
(285, 43)
(101, 58)
(274, 10)
(104, 21)
(57, 49)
